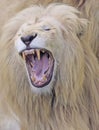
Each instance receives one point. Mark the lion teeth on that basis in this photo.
(23, 55)
(33, 52)
(44, 78)
(38, 53)
(33, 79)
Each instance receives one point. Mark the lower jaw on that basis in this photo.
(42, 90)
(41, 84)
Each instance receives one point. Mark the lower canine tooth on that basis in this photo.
(44, 78)
(33, 79)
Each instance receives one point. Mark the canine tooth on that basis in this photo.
(44, 78)
(33, 79)
(38, 54)
(23, 55)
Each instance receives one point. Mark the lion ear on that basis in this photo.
(77, 27)
(82, 27)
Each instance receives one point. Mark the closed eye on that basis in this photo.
(46, 28)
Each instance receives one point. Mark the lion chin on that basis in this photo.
(49, 76)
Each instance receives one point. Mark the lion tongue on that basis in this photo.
(40, 66)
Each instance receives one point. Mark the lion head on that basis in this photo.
(41, 41)
(43, 53)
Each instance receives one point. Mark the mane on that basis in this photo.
(74, 98)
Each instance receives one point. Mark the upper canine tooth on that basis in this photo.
(23, 55)
(38, 53)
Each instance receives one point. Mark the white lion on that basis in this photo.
(49, 76)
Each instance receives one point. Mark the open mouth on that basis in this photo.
(40, 65)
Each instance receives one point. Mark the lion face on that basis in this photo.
(43, 50)
(39, 46)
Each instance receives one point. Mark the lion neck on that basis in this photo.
(49, 109)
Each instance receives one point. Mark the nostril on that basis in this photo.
(28, 39)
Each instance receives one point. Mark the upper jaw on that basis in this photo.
(36, 43)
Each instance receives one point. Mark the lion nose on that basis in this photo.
(28, 39)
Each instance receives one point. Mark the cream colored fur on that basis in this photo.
(89, 9)
(73, 101)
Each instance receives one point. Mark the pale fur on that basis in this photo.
(89, 9)
(73, 101)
